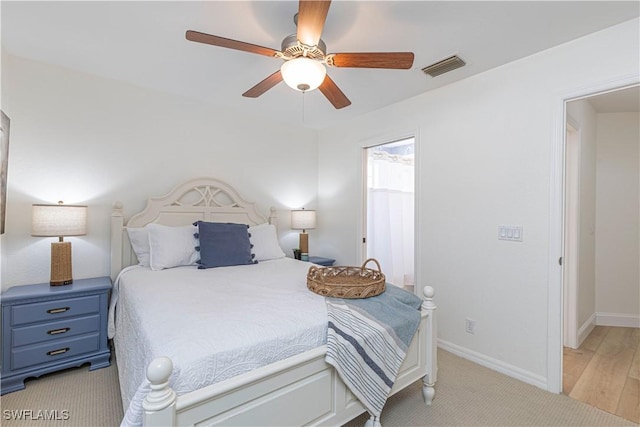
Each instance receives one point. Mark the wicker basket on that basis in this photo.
(346, 282)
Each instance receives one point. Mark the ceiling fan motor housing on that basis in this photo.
(292, 48)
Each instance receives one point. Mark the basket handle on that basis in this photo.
(367, 262)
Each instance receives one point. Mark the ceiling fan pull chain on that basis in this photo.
(303, 92)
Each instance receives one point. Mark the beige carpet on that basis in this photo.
(471, 395)
(90, 398)
(466, 395)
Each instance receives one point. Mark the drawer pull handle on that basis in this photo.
(59, 351)
(58, 331)
(58, 310)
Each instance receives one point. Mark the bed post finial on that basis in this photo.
(428, 293)
(160, 404)
(429, 380)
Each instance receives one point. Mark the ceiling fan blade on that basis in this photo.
(311, 17)
(395, 60)
(333, 93)
(264, 85)
(196, 36)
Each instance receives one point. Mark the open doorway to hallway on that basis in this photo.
(601, 358)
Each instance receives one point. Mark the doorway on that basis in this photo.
(389, 223)
(601, 256)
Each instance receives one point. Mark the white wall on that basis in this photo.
(485, 159)
(618, 216)
(84, 139)
(585, 117)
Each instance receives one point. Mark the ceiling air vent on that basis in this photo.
(444, 66)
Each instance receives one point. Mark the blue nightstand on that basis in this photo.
(325, 262)
(48, 328)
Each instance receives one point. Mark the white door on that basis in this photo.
(390, 207)
(570, 259)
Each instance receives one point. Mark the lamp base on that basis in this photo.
(304, 247)
(61, 264)
(304, 243)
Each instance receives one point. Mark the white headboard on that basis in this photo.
(205, 199)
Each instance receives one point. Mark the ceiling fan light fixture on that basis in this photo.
(303, 74)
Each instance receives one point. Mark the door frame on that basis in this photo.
(571, 254)
(382, 139)
(555, 290)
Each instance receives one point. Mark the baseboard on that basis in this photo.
(586, 328)
(617, 319)
(495, 364)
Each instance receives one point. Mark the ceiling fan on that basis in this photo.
(305, 56)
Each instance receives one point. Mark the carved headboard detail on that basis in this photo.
(204, 199)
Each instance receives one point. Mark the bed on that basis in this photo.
(175, 369)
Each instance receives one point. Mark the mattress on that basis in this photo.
(214, 324)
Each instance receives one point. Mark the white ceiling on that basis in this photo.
(144, 43)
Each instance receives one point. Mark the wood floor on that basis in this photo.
(605, 371)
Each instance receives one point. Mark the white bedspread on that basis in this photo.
(214, 324)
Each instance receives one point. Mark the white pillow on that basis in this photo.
(139, 238)
(264, 239)
(172, 246)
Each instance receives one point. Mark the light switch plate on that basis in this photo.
(510, 232)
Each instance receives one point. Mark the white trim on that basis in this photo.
(495, 364)
(361, 251)
(417, 227)
(571, 254)
(556, 217)
(387, 137)
(586, 328)
(555, 292)
(617, 319)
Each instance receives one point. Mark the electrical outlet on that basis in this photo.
(470, 326)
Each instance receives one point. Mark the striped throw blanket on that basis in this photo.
(367, 341)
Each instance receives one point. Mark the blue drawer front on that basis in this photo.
(55, 330)
(53, 351)
(54, 310)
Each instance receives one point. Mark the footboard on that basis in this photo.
(300, 390)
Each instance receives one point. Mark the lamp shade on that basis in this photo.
(303, 74)
(302, 219)
(58, 220)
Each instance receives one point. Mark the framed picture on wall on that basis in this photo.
(4, 162)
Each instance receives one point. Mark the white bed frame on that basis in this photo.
(300, 390)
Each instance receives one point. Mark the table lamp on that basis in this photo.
(59, 221)
(304, 220)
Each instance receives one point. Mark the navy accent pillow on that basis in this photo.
(223, 244)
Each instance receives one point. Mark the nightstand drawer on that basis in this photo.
(55, 330)
(54, 351)
(54, 310)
